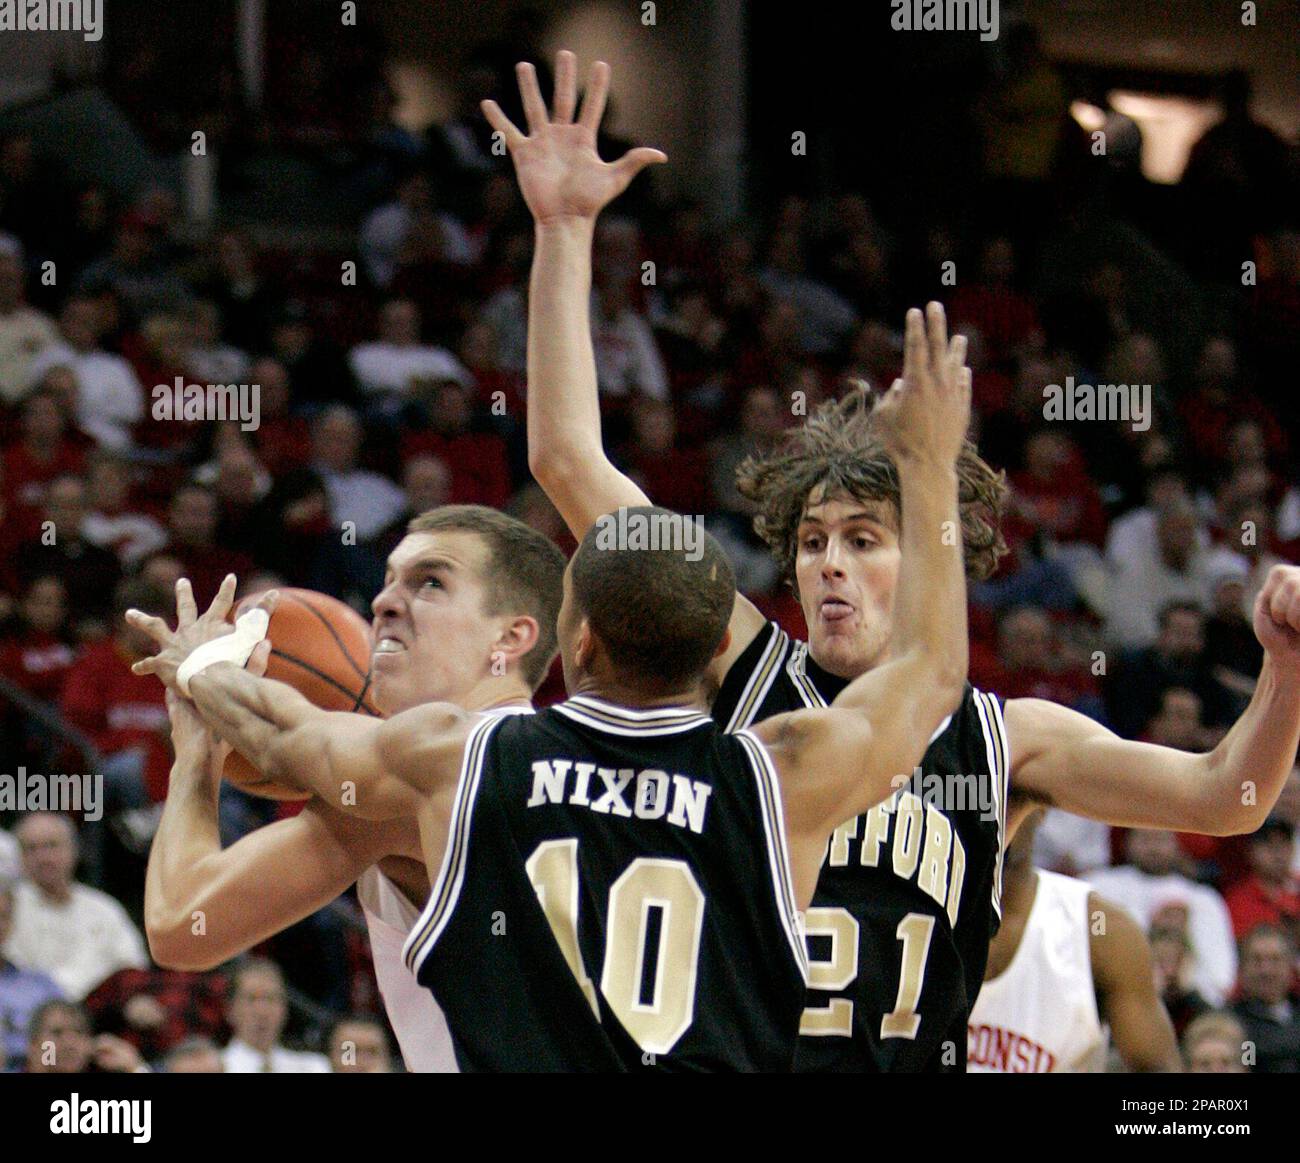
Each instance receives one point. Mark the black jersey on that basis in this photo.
(615, 895)
(909, 893)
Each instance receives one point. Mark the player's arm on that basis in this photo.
(1126, 993)
(1063, 758)
(375, 769)
(566, 185)
(204, 905)
(838, 762)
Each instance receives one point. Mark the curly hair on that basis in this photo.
(837, 452)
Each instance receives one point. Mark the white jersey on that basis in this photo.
(417, 1020)
(1040, 1014)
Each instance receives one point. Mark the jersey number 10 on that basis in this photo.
(651, 990)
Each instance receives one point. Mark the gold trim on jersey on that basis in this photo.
(615, 720)
(778, 854)
(999, 751)
(760, 680)
(797, 668)
(451, 876)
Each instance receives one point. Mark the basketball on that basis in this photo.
(321, 648)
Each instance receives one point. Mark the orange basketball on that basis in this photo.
(321, 648)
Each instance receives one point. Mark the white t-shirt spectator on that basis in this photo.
(24, 334)
(369, 500)
(384, 233)
(627, 358)
(132, 536)
(11, 862)
(1209, 926)
(109, 397)
(78, 943)
(240, 1058)
(1142, 585)
(1071, 844)
(387, 369)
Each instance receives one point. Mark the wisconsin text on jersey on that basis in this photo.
(651, 791)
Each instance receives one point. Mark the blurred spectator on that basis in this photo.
(209, 360)
(1148, 581)
(991, 304)
(1268, 1006)
(627, 358)
(318, 373)
(192, 528)
(385, 368)
(235, 285)
(359, 1046)
(676, 478)
(1149, 884)
(362, 500)
(123, 713)
(480, 471)
(37, 653)
(42, 454)
(62, 549)
(258, 1010)
(1171, 959)
(60, 1042)
(70, 931)
(410, 229)
(1030, 664)
(1071, 845)
(194, 1056)
(825, 319)
(1269, 894)
(114, 523)
(1134, 533)
(1176, 659)
(135, 270)
(1215, 1043)
(24, 332)
(109, 397)
(282, 440)
(22, 991)
(157, 1009)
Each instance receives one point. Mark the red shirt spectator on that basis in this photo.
(480, 473)
(154, 1009)
(43, 454)
(1268, 896)
(118, 708)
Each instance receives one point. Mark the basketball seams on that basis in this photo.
(357, 699)
(333, 633)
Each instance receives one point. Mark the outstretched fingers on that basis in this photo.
(155, 627)
(224, 600)
(566, 87)
(534, 106)
(913, 346)
(937, 334)
(593, 101)
(501, 123)
(187, 611)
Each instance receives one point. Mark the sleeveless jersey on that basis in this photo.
(417, 1020)
(615, 895)
(1040, 1014)
(419, 1024)
(909, 893)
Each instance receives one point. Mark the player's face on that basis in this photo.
(846, 566)
(431, 638)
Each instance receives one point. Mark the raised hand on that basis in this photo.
(926, 414)
(1277, 618)
(560, 173)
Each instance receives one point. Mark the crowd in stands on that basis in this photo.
(1136, 548)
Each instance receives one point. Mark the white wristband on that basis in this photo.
(250, 629)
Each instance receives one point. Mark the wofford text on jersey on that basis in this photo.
(654, 794)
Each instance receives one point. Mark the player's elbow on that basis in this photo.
(557, 464)
(178, 942)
